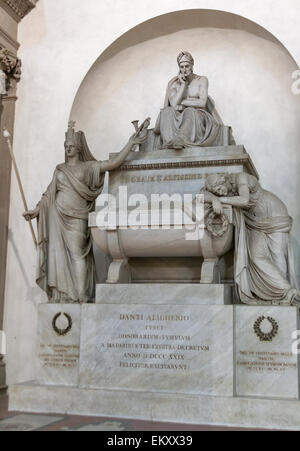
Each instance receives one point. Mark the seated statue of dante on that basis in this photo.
(188, 117)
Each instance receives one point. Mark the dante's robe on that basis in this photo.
(63, 234)
(196, 126)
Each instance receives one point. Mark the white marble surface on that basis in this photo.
(168, 407)
(51, 30)
(188, 349)
(170, 171)
(153, 212)
(266, 369)
(58, 356)
(164, 293)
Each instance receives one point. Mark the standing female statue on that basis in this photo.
(264, 265)
(66, 267)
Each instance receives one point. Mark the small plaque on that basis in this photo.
(58, 344)
(265, 364)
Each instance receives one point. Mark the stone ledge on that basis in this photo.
(18, 9)
(164, 293)
(188, 158)
(194, 409)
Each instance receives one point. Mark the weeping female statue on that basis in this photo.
(264, 264)
(66, 266)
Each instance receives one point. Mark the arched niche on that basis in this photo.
(250, 74)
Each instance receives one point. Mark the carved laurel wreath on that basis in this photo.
(266, 336)
(216, 224)
(62, 332)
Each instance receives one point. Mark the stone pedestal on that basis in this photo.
(167, 354)
(165, 293)
(152, 406)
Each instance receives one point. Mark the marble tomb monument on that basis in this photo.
(197, 314)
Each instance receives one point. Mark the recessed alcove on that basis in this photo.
(250, 75)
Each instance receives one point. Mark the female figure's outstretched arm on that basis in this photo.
(138, 138)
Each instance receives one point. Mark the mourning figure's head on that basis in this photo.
(218, 184)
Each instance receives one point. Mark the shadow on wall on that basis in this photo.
(183, 20)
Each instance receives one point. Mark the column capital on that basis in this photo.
(10, 72)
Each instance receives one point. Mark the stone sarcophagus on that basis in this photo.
(152, 230)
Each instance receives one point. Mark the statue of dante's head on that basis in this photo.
(185, 57)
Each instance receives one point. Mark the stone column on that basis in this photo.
(7, 113)
(9, 75)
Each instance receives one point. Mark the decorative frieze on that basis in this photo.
(190, 164)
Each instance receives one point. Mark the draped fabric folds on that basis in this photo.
(264, 262)
(64, 239)
(196, 126)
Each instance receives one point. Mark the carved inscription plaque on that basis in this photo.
(158, 347)
(58, 349)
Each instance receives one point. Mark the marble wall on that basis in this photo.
(250, 74)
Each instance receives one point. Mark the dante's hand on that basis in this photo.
(182, 78)
(217, 206)
(31, 214)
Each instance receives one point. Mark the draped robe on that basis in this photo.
(196, 126)
(264, 262)
(63, 234)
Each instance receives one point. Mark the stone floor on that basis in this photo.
(18, 421)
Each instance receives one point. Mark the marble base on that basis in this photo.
(265, 364)
(167, 361)
(159, 348)
(145, 405)
(164, 293)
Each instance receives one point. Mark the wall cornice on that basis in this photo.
(6, 40)
(18, 9)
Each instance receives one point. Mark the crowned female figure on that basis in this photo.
(66, 266)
